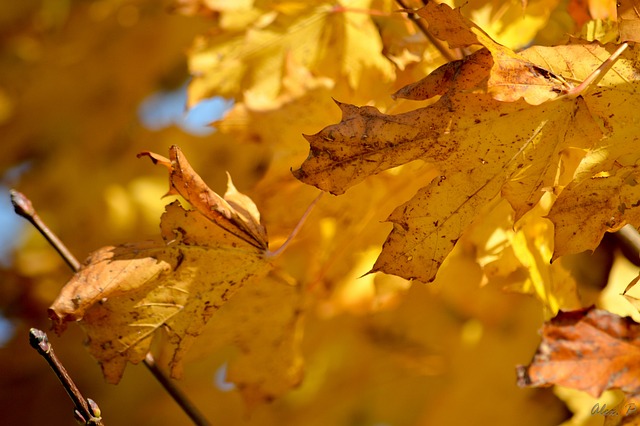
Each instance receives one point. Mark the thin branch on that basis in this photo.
(86, 410)
(187, 406)
(450, 55)
(24, 208)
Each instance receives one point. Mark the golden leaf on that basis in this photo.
(252, 61)
(480, 152)
(585, 210)
(123, 295)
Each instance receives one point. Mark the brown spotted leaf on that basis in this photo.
(591, 350)
(512, 76)
(483, 147)
(122, 295)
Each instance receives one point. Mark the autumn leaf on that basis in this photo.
(516, 24)
(591, 350)
(587, 209)
(235, 212)
(512, 76)
(629, 20)
(265, 323)
(379, 347)
(123, 295)
(517, 256)
(248, 64)
(470, 136)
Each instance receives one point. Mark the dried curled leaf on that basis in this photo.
(235, 212)
(591, 350)
(512, 76)
(123, 295)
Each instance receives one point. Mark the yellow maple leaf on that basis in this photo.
(472, 139)
(513, 24)
(321, 36)
(123, 295)
(265, 322)
(428, 226)
(518, 257)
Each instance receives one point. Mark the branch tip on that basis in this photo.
(22, 205)
(85, 410)
(39, 341)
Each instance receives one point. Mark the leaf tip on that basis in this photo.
(155, 158)
(58, 323)
(231, 188)
(145, 154)
(298, 173)
(523, 378)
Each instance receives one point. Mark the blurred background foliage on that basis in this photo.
(87, 84)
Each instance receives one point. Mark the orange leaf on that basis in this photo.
(235, 212)
(591, 350)
(512, 76)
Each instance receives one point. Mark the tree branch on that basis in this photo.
(187, 406)
(86, 410)
(24, 208)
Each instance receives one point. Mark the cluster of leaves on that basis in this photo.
(521, 165)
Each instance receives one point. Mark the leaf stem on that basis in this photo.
(596, 75)
(271, 254)
(23, 207)
(86, 410)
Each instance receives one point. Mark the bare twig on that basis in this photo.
(175, 392)
(86, 410)
(449, 55)
(24, 208)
